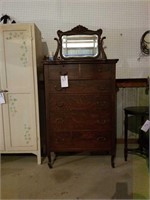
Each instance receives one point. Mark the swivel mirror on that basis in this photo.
(79, 46)
(80, 42)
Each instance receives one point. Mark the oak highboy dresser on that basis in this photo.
(82, 116)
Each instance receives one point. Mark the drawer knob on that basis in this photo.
(104, 103)
(100, 70)
(59, 121)
(98, 103)
(57, 88)
(60, 139)
(101, 138)
(98, 121)
(60, 104)
(104, 121)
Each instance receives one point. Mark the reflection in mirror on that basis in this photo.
(79, 45)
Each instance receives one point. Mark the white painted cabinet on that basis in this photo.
(20, 55)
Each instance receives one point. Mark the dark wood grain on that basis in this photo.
(81, 117)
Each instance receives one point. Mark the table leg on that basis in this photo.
(126, 137)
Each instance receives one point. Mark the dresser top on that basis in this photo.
(80, 61)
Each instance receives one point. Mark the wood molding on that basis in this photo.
(130, 141)
(139, 82)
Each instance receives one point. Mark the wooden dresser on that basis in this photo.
(82, 116)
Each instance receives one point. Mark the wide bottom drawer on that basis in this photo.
(74, 141)
(79, 121)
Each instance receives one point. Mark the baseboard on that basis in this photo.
(130, 141)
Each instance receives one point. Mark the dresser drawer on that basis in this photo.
(81, 71)
(79, 102)
(53, 72)
(97, 71)
(89, 120)
(81, 87)
(83, 140)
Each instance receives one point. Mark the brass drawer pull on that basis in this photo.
(101, 138)
(104, 121)
(60, 104)
(58, 88)
(59, 121)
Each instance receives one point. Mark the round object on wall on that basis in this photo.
(145, 43)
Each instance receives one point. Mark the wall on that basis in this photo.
(123, 23)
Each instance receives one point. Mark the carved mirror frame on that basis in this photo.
(80, 31)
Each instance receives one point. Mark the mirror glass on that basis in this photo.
(79, 46)
(80, 42)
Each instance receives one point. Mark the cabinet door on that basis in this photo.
(19, 112)
(2, 142)
(1, 130)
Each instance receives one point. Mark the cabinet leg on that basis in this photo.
(125, 154)
(51, 159)
(113, 161)
(126, 137)
(50, 165)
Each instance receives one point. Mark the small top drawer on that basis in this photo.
(97, 71)
(80, 71)
(53, 72)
